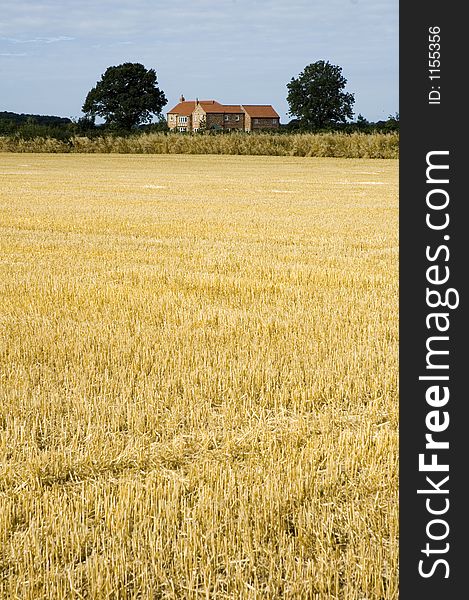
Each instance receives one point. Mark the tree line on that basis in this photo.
(128, 99)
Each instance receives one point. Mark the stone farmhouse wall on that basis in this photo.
(258, 123)
(214, 120)
(198, 117)
(233, 121)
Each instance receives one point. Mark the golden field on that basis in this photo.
(198, 377)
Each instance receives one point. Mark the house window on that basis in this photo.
(227, 117)
(256, 121)
(274, 121)
(182, 128)
(237, 118)
(182, 119)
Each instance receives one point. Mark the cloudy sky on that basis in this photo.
(52, 52)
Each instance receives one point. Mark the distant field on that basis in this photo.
(198, 377)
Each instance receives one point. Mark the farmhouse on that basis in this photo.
(194, 115)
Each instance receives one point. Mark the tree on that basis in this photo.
(393, 122)
(362, 123)
(126, 96)
(202, 125)
(85, 124)
(317, 98)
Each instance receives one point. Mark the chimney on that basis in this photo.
(182, 99)
(196, 101)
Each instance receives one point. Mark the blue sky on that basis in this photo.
(235, 51)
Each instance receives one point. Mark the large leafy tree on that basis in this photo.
(317, 98)
(125, 96)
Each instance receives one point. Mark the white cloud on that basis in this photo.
(38, 40)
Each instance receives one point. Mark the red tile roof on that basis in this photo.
(260, 110)
(233, 109)
(185, 108)
(212, 106)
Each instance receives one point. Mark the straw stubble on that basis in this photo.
(198, 377)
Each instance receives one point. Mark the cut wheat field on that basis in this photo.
(198, 377)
